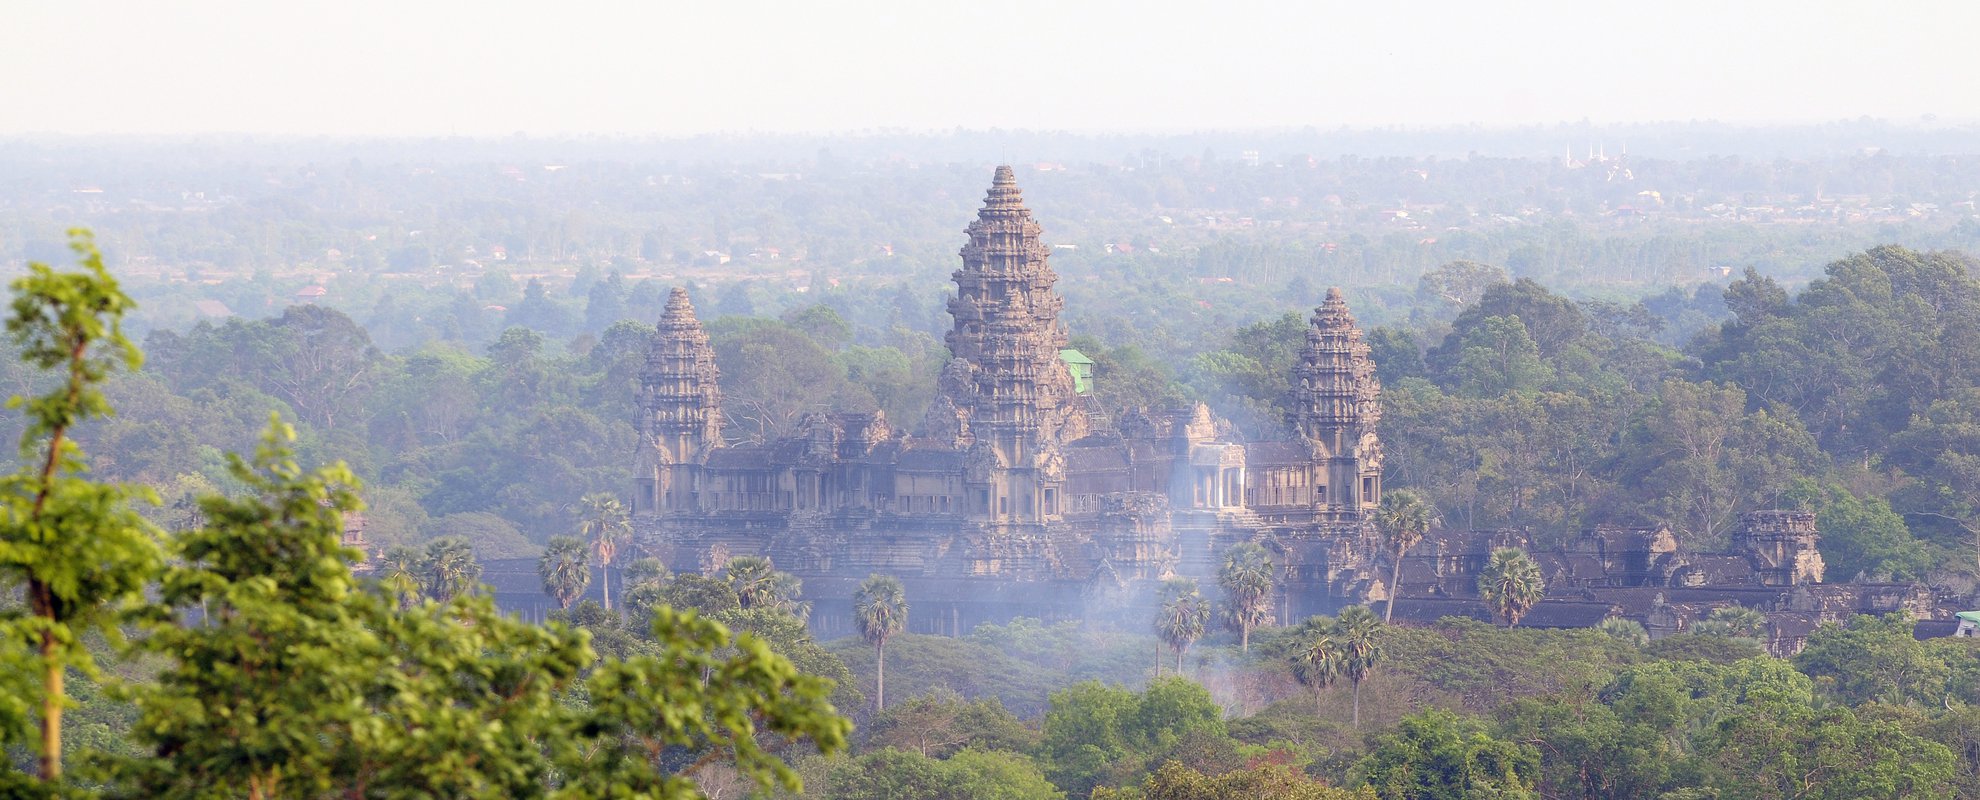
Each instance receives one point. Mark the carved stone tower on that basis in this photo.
(1336, 403)
(680, 411)
(1781, 546)
(1006, 395)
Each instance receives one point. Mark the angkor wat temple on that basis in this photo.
(1015, 495)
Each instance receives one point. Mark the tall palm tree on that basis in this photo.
(448, 569)
(604, 523)
(1317, 656)
(1403, 519)
(1357, 629)
(1246, 579)
(880, 611)
(564, 571)
(1511, 584)
(1183, 616)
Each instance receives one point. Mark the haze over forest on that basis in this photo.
(606, 401)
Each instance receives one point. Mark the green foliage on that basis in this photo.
(1174, 781)
(688, 695)
(1437, 755)
(1863, 538)
(1511, 584)
(564, 570)
(1182, 616)
(940, 723)
(759, 584)
(448, 568)
(75, 548)
(1246, 579)
(891, 774)
(605, 525)
(1094, 733)
(1402, 519)
(1873, 659)
(880, 612)
(1626, 630)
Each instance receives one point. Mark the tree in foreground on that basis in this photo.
(1246, 578)
(304, 683)
(565, 570)
(604, 524)
(1357, 630)
(1183, 615)
(880, 611)
(1316, 657)
(75, 548)
(1403, 519)
(1511, 584)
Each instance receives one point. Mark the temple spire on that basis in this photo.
(1336, 403)
(680, 390)
(1007, 385)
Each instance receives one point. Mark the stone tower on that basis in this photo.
(1336, 403)
(1781, 545)
(680, 411)
(1006, 395)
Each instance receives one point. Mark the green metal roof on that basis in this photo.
(1081, 368)
(1969, 616)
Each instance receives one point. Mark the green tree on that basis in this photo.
(1498, 357)
(74, 547)
(1359, 634)
(1316, 656)
(564, 570)
(399, 573)
(1246, 578)
(759, 584)
(891, 774)
(1511, 584)
(1173, 781)
(1437, 755)
(1627, 630)
(880, 611)
(1403, 519)
(1706, 459)
(605, 525)
(449, 569)
(1733, 622)
(1182, 617)
(1873, 659)
(939, 723)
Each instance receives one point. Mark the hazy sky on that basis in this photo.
(569, 66)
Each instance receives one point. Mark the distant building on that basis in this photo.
(1013, 495)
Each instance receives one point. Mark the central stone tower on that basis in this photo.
(1006, 396)
(1336, 403)
(680, 411)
